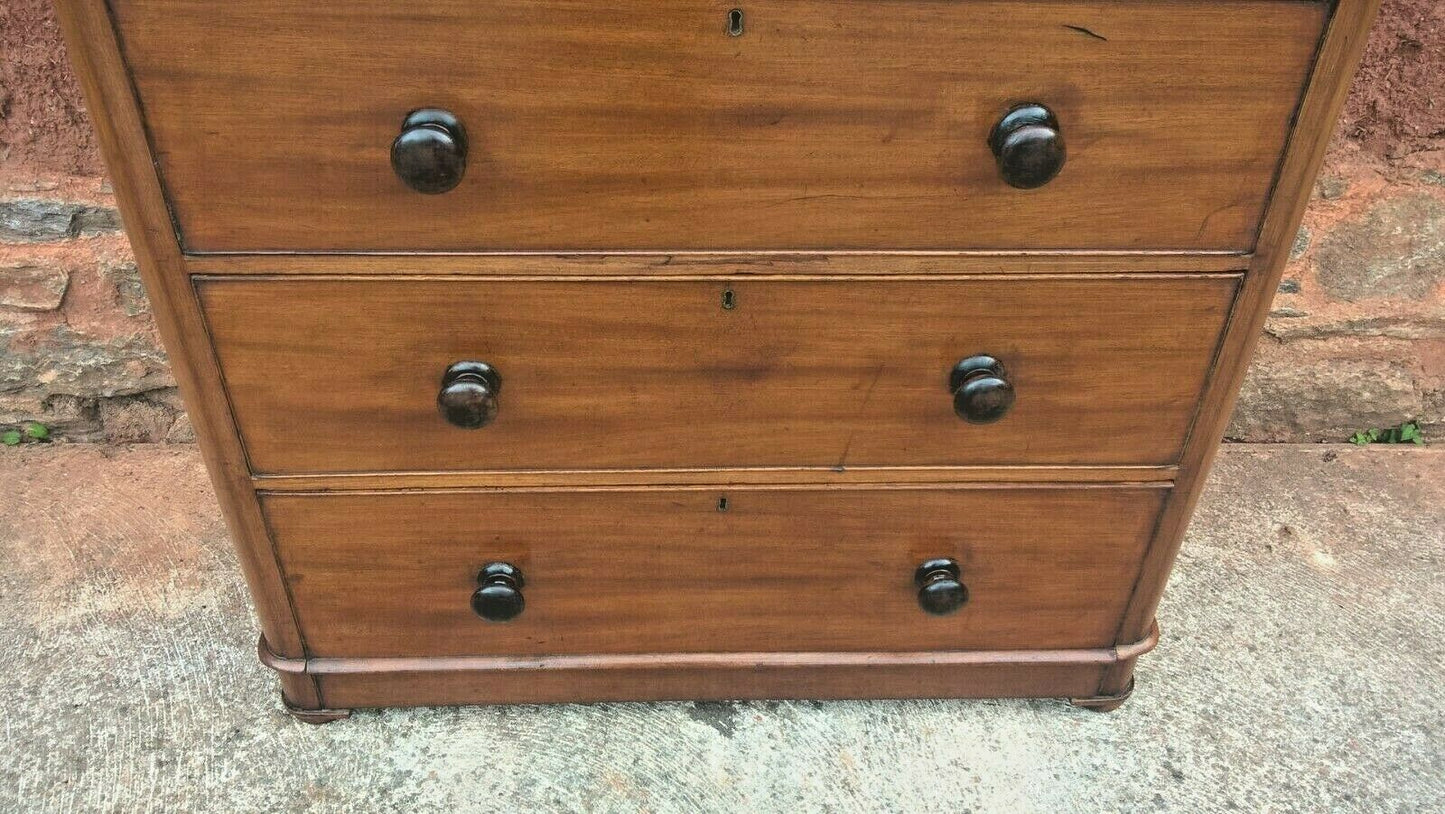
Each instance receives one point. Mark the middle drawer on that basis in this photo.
(328, 375)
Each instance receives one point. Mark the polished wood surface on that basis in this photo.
(704, 265)
(715, 476)
(1339, 56)
(342, 375)
(525, 685)
(120, 127)
(829, 124)
(363, 682)
(389, 574)
(835, 146)
(322, 665)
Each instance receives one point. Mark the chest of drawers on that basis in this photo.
(543, 350)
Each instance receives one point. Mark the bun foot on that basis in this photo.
(1104, 703)
(315, 716)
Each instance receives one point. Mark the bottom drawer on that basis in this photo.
(703, 570)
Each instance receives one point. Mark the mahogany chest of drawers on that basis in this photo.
(546, 350)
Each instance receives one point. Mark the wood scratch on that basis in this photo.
(843, 459)
(1204, 224)
(804, 198)
(1086, 32)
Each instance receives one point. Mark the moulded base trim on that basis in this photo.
(438, 681)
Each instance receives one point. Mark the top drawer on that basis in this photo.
(826, 125)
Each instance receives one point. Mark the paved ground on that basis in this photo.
(1303, 669)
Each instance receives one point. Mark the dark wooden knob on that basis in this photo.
(1028, 146)
(940, 591)
(468, 398)
(982, 393)
(499, 595)
(430, 155)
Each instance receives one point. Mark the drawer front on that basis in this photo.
(346, 375)
(828, 124)
(666, 571)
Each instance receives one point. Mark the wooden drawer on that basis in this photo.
(328, 375)
(828, 124)
(387, 574)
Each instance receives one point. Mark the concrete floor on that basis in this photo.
(1302, 669)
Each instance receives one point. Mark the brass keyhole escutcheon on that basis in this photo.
(729, 300)
(735, 23)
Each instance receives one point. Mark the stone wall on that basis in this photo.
(1356, 338)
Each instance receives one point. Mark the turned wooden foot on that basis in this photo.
(315, 716)
(1104, 703)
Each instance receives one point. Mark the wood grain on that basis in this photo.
(699, 477)
(830, 167)
(423, 688)
(723, 264)
(1340, 53)
(388, 574)
(370, 682)
(342, 376)
(627, 661)
(113, 108)
(830, 124)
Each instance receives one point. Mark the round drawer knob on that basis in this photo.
(430, 155)
(982, 393)
(499, 599)
(468, 398)
(1028, 146)
(940, 592)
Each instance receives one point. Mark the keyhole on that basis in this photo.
(735, 23)
(722, 504)
(729, 300)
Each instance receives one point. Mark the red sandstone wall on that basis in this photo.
(1357, 337)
